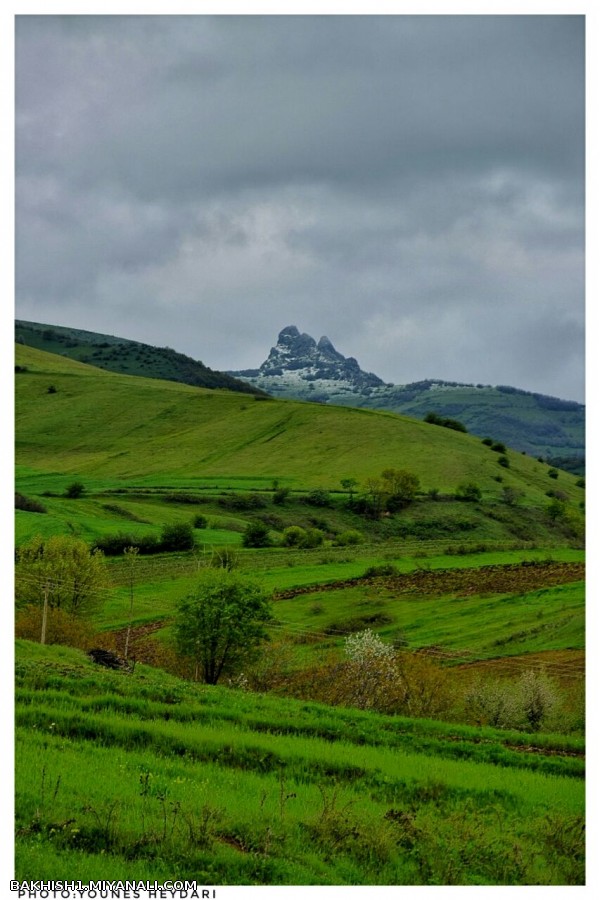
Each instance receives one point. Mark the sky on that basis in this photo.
(410, 186)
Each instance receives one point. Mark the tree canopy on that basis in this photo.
(221, 623)
(62, 569)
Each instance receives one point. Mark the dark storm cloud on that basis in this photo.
(205, 181)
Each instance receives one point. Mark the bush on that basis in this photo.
(177, 537)
(552, 473)
(524, 703)
(200, 522)
(382, 571)
(61, 628)
(314, 538)
(116, 544)
(28, 505)
(503, 461)
(62, 572)
(511, 496)
(349, 538)
(256, 535)
(293, 536)
(434, 419)
(318, 497)
(468, 492)
(224, 558)
(242, 502)
(499, 447)
(280, 496)
(75, 490)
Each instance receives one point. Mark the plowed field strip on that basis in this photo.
(509, 579)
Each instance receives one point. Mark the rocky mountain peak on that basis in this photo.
(317, 364)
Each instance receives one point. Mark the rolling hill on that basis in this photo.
(80, 420)
(121, 355)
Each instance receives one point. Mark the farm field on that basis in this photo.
(466, 768)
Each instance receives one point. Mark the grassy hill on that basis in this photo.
(146, 776)
(122, 355)
(75, 419)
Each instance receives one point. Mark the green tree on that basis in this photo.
(220, 625)
(350, 485)
(400, 486)
(60, 572)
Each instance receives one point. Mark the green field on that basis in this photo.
(223, 787)
(151, 774)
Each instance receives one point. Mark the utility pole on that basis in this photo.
(45, 613)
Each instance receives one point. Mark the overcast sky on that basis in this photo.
(411, 187)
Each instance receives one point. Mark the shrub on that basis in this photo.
(200, 521)
(280, 496)
(116, 544)
(524, 703)
(293, 536)
(51, 389)
(499, 447)
(28, 505)
(349, 538)
(511, 496)
(314, 538)
(256, 535)
(61, 628)
(224, 558)
(434, 419)
(487, 441)
(243, 502)
(503, 461)
(552, 473)
(383, 571)
(468, 492)
(62, 572)
(318, 497)
(177, 537)
(75, 490)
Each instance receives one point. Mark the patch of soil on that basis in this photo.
(516, 578)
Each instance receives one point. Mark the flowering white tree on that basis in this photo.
(371, 671)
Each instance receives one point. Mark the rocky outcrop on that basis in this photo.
(311, 366)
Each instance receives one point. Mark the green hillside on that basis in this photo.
(475, 587)
(144, 776)
(125, 356)
(79, 420)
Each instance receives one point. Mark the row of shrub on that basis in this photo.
(434, 419)
(28, 504)
(178, 537)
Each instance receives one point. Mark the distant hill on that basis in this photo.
(300, 367)
(122, 355)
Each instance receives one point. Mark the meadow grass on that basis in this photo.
(110, 791)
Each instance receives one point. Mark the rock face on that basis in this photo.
(311, 369)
